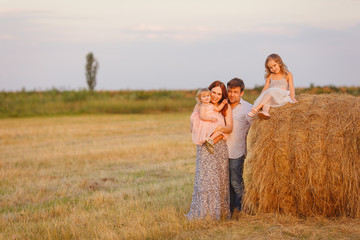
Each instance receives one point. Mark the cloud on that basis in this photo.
(194, 34)
(162, 32)
(12, 11)
(24, 13)
(7, 37)
(189, 43)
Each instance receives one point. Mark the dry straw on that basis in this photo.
(305, 160)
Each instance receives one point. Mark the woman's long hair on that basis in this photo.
(224, 94)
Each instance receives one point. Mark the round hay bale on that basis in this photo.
(305, 160)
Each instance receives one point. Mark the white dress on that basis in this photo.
(279, 92)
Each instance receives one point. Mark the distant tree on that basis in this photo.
(91, 68)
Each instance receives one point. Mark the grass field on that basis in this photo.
(60, 103)
(120, 177)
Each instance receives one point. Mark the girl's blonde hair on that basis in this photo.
(201, 92)
(276, 58)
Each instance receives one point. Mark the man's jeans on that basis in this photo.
(236, 182)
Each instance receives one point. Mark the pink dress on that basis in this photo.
(200, 129)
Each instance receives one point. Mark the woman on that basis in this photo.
(211, 187)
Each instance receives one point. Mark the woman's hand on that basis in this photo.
(218, 128)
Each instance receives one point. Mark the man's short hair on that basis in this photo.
(236, 82)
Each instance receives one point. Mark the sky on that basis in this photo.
(168, 44)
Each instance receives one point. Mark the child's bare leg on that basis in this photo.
(254, 111)
(214, 138)
(210, 141)
(266, 109)
(264, 101)
(258, 107)
(215, 135)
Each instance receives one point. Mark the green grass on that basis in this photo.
(56, 103)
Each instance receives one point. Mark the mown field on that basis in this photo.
(120, 176)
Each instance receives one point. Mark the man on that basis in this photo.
(237, 141)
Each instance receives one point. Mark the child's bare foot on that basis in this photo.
(209, 145)
(264, 115)
(253, 112)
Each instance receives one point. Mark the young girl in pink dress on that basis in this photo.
(205, 118)
(278, 89)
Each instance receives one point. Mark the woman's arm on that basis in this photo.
(228, 122)
(217, 139)
(291, 87)
(203, 115)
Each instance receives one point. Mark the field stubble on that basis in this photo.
(119, 177)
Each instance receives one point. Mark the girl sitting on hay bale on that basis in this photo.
(278, 89)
